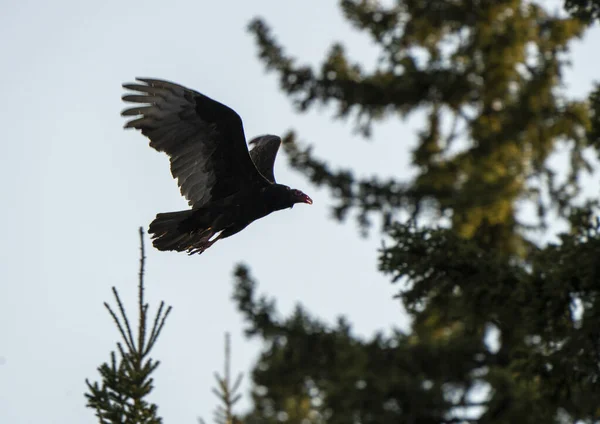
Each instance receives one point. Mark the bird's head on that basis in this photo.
(299, 197)
(279, 196)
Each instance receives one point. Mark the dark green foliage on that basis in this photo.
(126, 381)
(547, 312)
(503, 330)
(584, 9)
(544, 365)
(311, 371)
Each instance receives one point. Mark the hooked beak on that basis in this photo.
(303, 198)
(299, 197)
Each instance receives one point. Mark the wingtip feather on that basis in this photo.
(136, 98)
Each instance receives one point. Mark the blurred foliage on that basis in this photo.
(487, 78)
(503, 330)
(227, 391)
(586, 10)
(543, 366)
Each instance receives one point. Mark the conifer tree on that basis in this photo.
(126, 380)
(121, 395)
(493, 69)
(504, 330)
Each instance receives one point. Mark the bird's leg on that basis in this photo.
(218, 234)
(206, 244)
(210, 242)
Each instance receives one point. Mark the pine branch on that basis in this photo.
(226, 390)
(120, 397)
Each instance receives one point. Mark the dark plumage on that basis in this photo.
(226, 186)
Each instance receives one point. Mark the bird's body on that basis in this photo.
(226, 186)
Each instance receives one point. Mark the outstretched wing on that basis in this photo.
(203, 138)
(263, 154)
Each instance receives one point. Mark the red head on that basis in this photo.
(299, 197)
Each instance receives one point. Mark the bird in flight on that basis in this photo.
(226, 186)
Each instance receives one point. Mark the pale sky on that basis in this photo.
(76, 187)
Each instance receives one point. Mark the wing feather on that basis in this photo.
(264, 153)
(203, 138)
(138, 111)
(145, 88)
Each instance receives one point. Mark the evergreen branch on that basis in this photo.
(368, 196)
(143, 308)
(126, 382)
(517, 121)
(158, 325)
(258, 312)
(225, 391)
(238, 381)
(127, 337)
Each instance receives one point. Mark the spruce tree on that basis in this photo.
(126, 380)
(504, 330)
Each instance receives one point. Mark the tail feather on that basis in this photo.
(172, 231)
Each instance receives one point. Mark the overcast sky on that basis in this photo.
(76, 187)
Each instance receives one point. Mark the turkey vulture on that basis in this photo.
(226, 186)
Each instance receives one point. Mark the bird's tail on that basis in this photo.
(172, 231)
